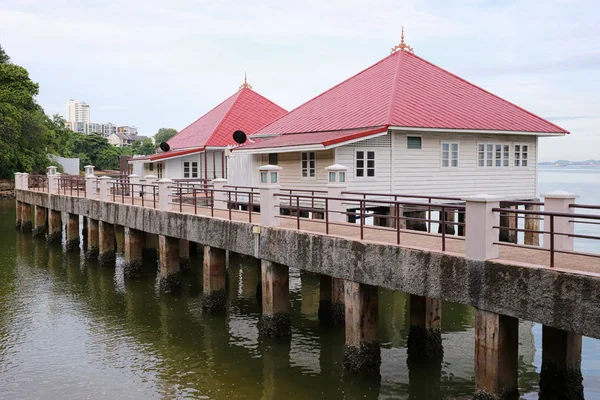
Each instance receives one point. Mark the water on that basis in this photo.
(71, 330)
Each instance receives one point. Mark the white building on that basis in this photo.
(78, 111)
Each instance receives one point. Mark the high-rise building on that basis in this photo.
(78, 111)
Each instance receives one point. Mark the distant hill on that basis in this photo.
(567, 162)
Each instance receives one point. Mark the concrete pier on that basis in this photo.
(362, 352)
(120, 239)
(54, 226)
(72, 226)
(532, 222)
(508, 220)
(26, 223)
(425, 335)
(18, 211)
(214, 276)
(93, 239)
(39, 221)
(106, 243)
(325, 305)
(184, 254)
(560, 378)
(134, 245)
(275, 319)
(496, 356)
(169, 273)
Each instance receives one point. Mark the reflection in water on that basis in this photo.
(70, 328)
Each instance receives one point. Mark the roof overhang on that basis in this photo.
(168, 155)
(492, 132)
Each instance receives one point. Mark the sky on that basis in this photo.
(159, 63)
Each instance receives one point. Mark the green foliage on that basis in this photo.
(164, 134)
(4, 58)
(143, 147)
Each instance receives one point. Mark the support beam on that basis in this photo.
(169, 274)
(425, 334)
(496, 356)
(416, 220)
(106, 243)
(325, 305)
(54, 226)
(134, 245)
(337, 301)
(532, 222)
(72, 232)
(560, 377)
(39, 219)
(18, 212)
(26, 224)
(184, 254)
(275, 319)
(93, 239)
(508, 220)
(362, 353)
(214, 277)
(450, 216)
(120, 239)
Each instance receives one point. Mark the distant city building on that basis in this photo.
(127, 130)
(123, 140)
(78, 111)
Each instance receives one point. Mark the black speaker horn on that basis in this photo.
(239, 137)
(164, 146)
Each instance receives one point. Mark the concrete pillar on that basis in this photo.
(150, 246)
(391, 221)
(325, 304)
(106, 243)
(560, 377)
(558, 202)
(120, 239)
(508, 220)
(25, 181)
(39, 221)
(184, 254)
(481, 235)
(17, 180)
(220, 198)
(338, 306)
(169, 273)
(18, 211)
(53, 183)
(214, 278)
(91, 187)
(93, 239)
(54, 226)
(269, 203)
(496, 356)
(449, 217)
(275, 319)
(362, 352)
(415, 224)
(134, 244)
(164, 194)
(425, 334)
(26, 223)
(104, 187)
(532, 222)
(336, 184)
(72, 231)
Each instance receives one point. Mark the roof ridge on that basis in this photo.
(335, 130)
(239, 94)
(211, 110)
(395, 89)
(330, 89)
(488, 92)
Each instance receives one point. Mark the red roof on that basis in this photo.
(171, 153)
(319, 138)
(404, 90)
(246, 110)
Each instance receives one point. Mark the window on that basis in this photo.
(365, 163)
(413, 142)
(521, 151)
(150, 167)
(273, 158)
(449, 154)
(308, 164)
(493, 155)
(159, 169)
(190, 169)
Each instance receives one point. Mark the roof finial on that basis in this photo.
(245, 84)
(402, 46)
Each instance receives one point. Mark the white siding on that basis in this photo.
(420, 171)
(243, 169)
(290, 176)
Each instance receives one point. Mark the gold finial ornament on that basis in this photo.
(245, 84)
(402, 46)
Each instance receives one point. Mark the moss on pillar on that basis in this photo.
(365, 358)
(274, 325)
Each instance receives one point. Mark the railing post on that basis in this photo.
(25, 181)
(558, 202)
(134, 181)
(91, 183)
(269, 203)
(151, 179)
(18, 180)
(220, 198)
(164, 194)
(89, 170)
(481, 235)
(52, 183)
(104, 184)
(336, 184)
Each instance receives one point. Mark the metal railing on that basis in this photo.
(39, 183)
(73, 185)
(125, 192)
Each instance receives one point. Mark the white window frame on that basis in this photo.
(190, 167)
(306, 170)
(450, 154)
(490, 155)
(159, 170)
(365, 166)
(519, 161)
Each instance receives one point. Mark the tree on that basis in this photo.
(108, 158)
(143, 147)
(164, 134)
(4, 58)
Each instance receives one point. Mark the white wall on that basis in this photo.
(70, 165)
(242, 169)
